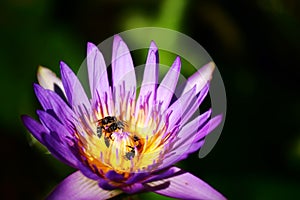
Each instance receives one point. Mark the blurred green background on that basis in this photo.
(255, 45)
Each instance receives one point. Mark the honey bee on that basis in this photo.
(102, 123)
(132, 149)
(135, 138)
(114, 126)
(130, 154)
(108, 124)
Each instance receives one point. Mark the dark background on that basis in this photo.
(255, 45)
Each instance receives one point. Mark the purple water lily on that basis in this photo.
(118, 143)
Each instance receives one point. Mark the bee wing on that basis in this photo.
(124, 123)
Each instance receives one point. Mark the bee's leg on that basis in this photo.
(106, 140)
(110, 137)
(99, 131)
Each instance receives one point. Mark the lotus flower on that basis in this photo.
(117, 142)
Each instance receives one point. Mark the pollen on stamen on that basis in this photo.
(125, 144)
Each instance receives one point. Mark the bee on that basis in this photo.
(102, 123)
(135, 138)
(138, 142)
(133, 149)
(108, 124)
(106, 120)
(130, 154)
(114, 126)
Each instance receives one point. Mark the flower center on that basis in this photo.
(128, 142)
(121, 146)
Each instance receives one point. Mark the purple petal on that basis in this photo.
(42, 96)
(52, 101)
(200, 78)
(53, 125)
(186, 186)
(161, 174)
(74, 90)
(103, 183)
(114, 176)
(60, 150)
(196, 146)
(179, 107)
(123, 73)
(48, 79)
(188, 131)
(166, 88)
(181, 155)
(57, 141)
(64, 113)
(37, 129)
(135, 188)
(78, 187)
(86, 170)
(137, 177)
(145, 178)
(209, 127)
(150, 78)
(97, 71)
(191, 110)
(191, 141)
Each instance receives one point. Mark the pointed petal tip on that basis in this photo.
(34, 127)
(42, 114)
(120, 48)
(90, 44)
(152, 53)
(48, 79)
(117, 39)
(39, 112)
(90, 47)
(62, 64)
(37, 89)
(64, 68)
(177, 64)
(24, 118)
(208, 69)
(36, 86)
(219, 118)
(122, 68)
(43, 73)
(27, 120)
(201, 77)
(153, 46)
(42, 69)
(209, 111)
(211, 65)
(117, 36)
(214, 122)
(178, 59)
